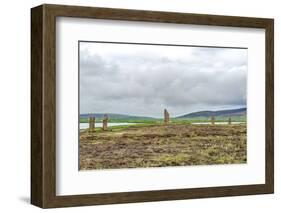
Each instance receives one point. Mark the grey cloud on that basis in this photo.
(142, 82)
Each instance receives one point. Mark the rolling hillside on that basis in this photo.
(236, 113)
(114, 116)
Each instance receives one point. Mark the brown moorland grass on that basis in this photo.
(160, 145)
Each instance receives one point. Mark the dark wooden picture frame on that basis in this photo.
(43, 105)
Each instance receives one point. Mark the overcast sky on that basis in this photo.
(145, 79)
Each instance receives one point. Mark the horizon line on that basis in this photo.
(160, 117)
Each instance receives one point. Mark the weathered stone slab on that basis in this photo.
(92, 121)
(105, 122)
(166, 117)
(213, 120)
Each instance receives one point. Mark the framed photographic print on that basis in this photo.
(136, 106)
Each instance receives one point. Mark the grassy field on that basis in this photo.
(152, 144)
(173, 120)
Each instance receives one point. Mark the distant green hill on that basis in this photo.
(114, 116)
(236, 114)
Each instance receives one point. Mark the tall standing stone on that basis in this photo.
(213, 120)
(166, 117)
(92, 121)
(105, 122)
(229, 120)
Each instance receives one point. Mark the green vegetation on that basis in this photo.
(239, 118)
(173, 120)
(124, 127)
(114, 120)
(236, 115)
